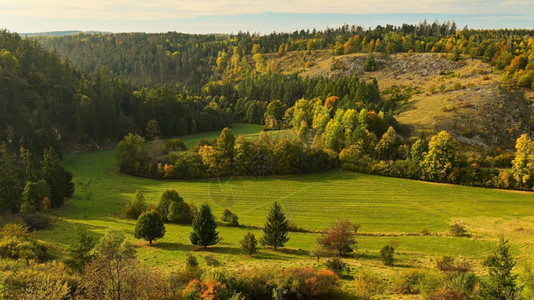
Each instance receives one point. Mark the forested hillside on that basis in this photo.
(47, 102)
(196, 59)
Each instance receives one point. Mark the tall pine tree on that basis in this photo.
(204, 228)
(276, 229)
(58, 179)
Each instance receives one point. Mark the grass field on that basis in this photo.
(389, 210)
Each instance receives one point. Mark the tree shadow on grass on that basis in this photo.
(174, 246)
(292, 251)
(262, 255)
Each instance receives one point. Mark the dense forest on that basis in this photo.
(197, 59)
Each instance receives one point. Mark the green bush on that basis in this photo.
(179, 279)
(32, 280)
(386, 255)
(369, 65)
(408, 281)
(180, 213)
(35, 221)
(308, 282)
(229, 218)
(458, 230)
(336, 265)
(249, 243)
(430, 283)
(445, 263)
(367, 285)
(211, 260)
(166, 199)
(136, 206)
(16, 242)
(464, 283)
(175, 145)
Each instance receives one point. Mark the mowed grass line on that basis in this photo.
(381, 205)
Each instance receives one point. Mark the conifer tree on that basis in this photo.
(249, 243)
(204, 228)
(500, 285)
(369, 64)
(58, 179)
(150, 226)
(79, 252)
(276, 229)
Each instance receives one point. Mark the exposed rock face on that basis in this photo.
(487, 116)
(403, 64)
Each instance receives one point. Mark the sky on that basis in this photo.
(259, 16)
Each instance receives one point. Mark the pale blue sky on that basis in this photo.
(230, 16)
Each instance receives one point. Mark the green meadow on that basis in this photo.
(389, 211)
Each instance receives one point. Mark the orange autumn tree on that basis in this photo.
(331, 101)
(340, 238)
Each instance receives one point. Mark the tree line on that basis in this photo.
(344, 141)
(195, 60)
(27, 187)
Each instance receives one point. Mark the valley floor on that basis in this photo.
(390, 211)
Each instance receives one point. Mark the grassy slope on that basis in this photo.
(387, 208)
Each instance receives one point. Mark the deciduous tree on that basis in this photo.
(136, 206)
(340, 238)
(168, 197)
(523, 164)
(442, 157)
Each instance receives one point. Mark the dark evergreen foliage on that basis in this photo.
(276, 229)
(204, 228)
(149, 226)
(79, 252)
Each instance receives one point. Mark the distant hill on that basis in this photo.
(59, 33)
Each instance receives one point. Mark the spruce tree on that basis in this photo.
(58, 179)
(276, 229)
(204, 228)
(79, 252)
(500, 284)
(150, 226)
(249, 243)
